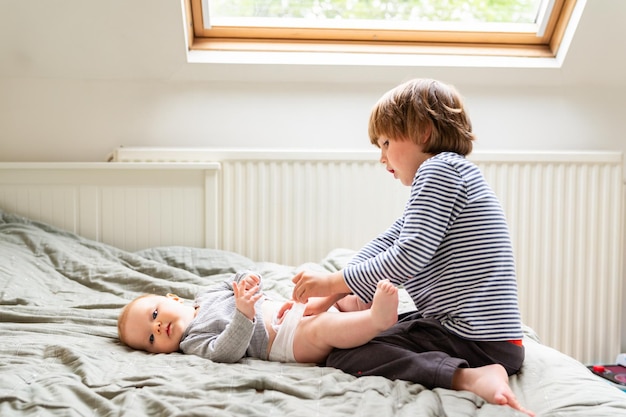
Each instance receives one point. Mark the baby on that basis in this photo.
(235, 320)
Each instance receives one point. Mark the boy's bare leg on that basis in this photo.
(490, 382)
(317, 335)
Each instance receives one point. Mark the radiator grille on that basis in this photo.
(566, 224)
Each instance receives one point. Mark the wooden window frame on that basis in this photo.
(470, 43)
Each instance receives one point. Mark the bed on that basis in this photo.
(60, 295)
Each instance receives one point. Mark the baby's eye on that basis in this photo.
(151, 339)
(385, 144)
(154, 314)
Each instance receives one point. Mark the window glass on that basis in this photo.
(394, 14)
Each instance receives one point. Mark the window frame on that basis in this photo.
(369, 41)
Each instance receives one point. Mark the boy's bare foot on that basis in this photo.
(490, 382)
(384, 308)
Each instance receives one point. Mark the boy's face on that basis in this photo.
(402, 158)
(156, 324)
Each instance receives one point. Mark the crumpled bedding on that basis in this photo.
(60, 295)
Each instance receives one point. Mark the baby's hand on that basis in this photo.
(282, 310)
(246, 298)
(251, 281)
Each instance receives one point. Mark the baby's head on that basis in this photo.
(154, 323)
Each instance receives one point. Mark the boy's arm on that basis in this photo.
(352, 303)
(314, 306)
(317, 305)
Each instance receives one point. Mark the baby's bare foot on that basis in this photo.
(384, 308)
(490, 382)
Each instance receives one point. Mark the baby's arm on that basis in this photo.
(222, 340)
(221, 344)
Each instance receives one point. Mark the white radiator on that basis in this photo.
(131, 206)
(566, 219)
(564, 211)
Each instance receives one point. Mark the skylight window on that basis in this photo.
(504, 27)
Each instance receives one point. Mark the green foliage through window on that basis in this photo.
(463, 11)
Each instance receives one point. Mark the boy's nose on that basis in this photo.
(157, 327)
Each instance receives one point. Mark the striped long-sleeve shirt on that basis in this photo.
(451, 250)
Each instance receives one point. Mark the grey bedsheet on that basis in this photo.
(60, 296)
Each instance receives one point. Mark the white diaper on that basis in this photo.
(282, 348)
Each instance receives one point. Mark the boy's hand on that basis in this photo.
(315, 284)
(246, 298)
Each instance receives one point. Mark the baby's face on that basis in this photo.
(156, 324)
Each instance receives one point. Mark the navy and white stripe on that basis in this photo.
(452, 252)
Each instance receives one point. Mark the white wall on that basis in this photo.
(79, 78)
(83, 120)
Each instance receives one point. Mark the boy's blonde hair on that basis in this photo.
(423, 109)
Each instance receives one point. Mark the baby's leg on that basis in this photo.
(490, 382)
(383, 311)
(317, 335)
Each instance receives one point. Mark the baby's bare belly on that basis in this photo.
(270, 309)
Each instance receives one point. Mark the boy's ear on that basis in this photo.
(174, 297)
